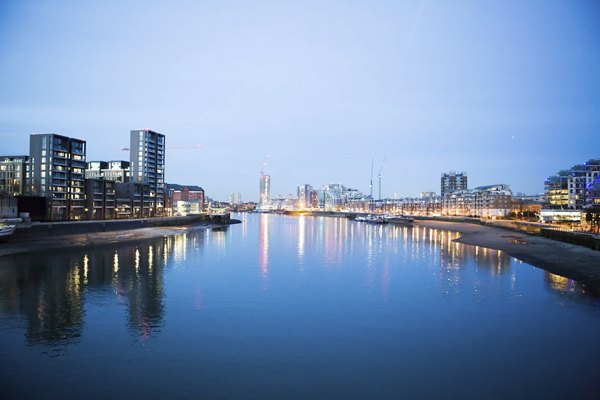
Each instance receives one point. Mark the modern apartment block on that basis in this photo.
(100, 200)
(133, 200)
(100, 183)
(57, 172)
(490, 201)
(452, 181)
(573, 188)
(147, 156)
(12, 174)
(581, 181)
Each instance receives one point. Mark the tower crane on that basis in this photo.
(371, 183)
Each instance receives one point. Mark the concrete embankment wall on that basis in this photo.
(44, 229)
(581, 239)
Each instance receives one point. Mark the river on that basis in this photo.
(283, 307)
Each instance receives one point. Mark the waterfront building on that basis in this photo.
(100, 199)
(9, 206)
(581, 180)
(181, 207)
(527, 206)
(147, 156)
(572, 188)
(12, 174)
(184, 199)
(593, 193)
(333, 196)
(459, 203)
(452, 181)
(492, 201)
(264, 191)
(133, 200)
(556, 190)
(100, 188)
(304, 196)
(57, 172)
(568, 192)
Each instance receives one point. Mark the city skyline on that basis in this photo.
(509, 93)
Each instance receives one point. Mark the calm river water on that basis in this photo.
(289, 308)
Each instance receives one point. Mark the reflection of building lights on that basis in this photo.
(301, 234)
(263, 244)
(85, 269)
(116, 262)
(180, 247)
(166, 251)
(137, 261)
(150, 258)
(558, 282)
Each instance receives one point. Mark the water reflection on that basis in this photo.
(340, 240)
(49, 299)
(48, 291)
(51, 292)
(568, 287)
(263, 244)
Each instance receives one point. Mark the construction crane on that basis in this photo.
(186, 147)
(371, 183)
(379, 174)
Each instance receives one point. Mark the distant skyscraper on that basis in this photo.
(235, 199)
(147, 155)
(304, 200)
(57, 171)
(453, 181)
(265, 190)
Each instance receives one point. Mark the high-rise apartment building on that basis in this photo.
(12, 174)
(304, 200)
(147, 156)
(57, 172)
(452, 181)
(235, 199)
(265, 191)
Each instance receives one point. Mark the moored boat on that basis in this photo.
(372, 219)
(6, 231)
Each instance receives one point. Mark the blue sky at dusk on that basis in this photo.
(507, 91)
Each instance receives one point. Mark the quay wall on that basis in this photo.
(581, 239)
(45, 229)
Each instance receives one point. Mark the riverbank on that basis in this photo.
(568, 260)
(47, 243)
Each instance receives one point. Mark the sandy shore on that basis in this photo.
(571, 261)
(90, 239)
